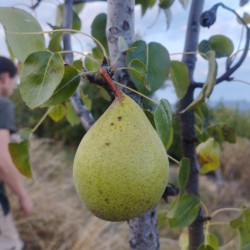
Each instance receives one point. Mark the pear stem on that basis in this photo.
(117, 92)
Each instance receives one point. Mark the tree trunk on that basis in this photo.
(120, 22)
(84, 115)
(188, 141)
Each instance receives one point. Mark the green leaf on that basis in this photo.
(244, 238)
(184, 3)
(156, 59)
(57, 112)
(171, 212)
(208, 86)
(20, 156)
(203, 47)
(98, 29)
(208, 155)
(165, 4)
(186, 212)
(246, 17)
(180, 77)
(16, 22)
(71, 116)
(247, 218)
(87, 102)
(167, 107)
(243, 2)
(205, 247)
(41, 74)
(66, 87)
(78, 7)
(222, 45)
(78, 64)
(122, 44)
(168, 15)
(183, 241)
(76, 24)
(55, 42)
(238, 222)
(91, 65)
(150, 116)
(183, 174)
(145, 4)
(246, 247)
(162, 123)
(212, 241)
(139, 70)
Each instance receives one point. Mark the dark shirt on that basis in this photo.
(7, 121)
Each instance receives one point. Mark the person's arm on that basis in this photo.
(10, 175)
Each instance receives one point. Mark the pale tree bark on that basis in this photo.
(82, 112)
(188, 141)
(120, 22)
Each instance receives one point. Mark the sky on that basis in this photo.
(152, 27)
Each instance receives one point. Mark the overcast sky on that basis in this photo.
(152, 27)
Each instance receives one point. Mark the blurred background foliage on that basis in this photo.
(62, 131)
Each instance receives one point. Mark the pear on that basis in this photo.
(121, 166)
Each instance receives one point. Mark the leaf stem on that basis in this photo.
(146, 97)
(218, 223)
(77, 52)
(230, 209)
(118, 93)
(41, 120)
(173, 159)
(205, 208)
(237, 80)
(188, 53)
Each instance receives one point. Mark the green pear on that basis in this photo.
(121, 166)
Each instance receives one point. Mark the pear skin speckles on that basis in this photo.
(121, 166)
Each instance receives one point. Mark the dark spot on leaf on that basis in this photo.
(100, 192)
(107, 143)
(119, 118)
(53, 71)
(112, 124)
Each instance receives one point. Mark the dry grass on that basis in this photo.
(235, 164)
(61, 222)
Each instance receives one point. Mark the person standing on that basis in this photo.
(9, 175)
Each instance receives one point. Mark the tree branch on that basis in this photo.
(204, 20)
(84, 115)
(196, 236)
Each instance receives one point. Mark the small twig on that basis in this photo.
(41, 120)
(36, 4)
(230, 209)
(230, 70)
(173, 159)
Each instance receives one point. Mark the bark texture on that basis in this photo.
(82, 112)
(120, 22)
(188, 141)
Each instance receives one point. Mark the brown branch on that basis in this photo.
(204, 20)
(84, 115)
